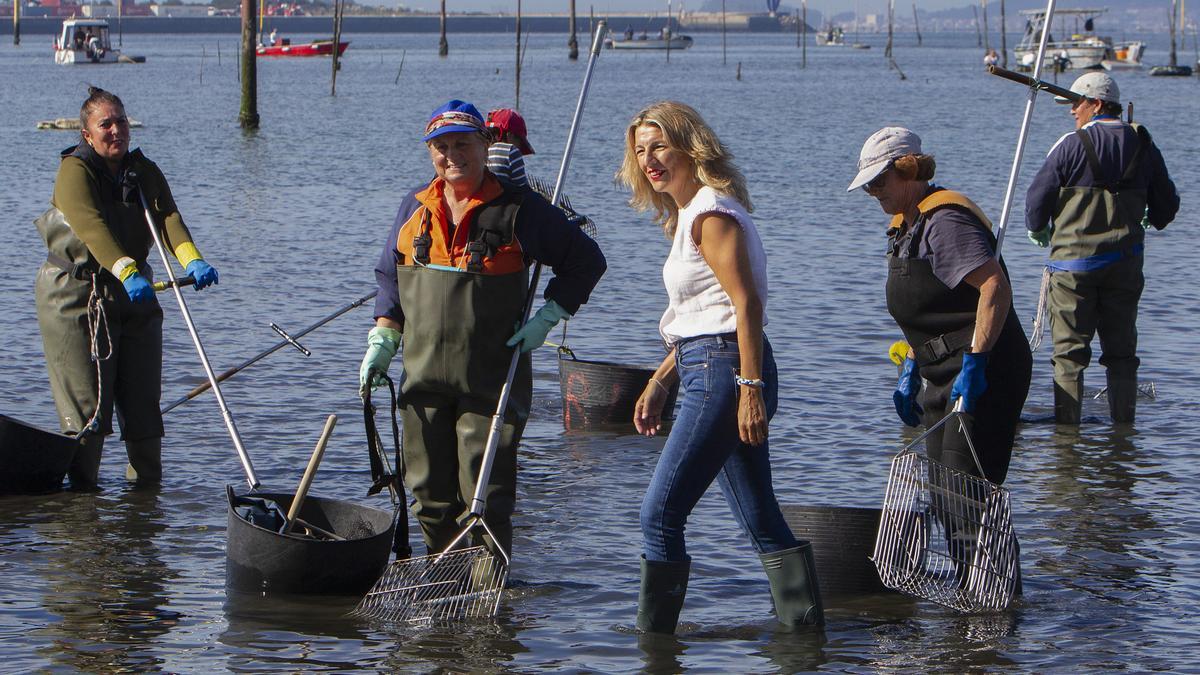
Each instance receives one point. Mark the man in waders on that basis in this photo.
(100, 321)
(452, 287)
(1099, 189)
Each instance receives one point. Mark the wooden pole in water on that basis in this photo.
(120, 25)
(339, 8)
(16, 23)
(1003, 37)
(668, 31)
(517, 102)
(804, 33)
(723, 45)
(987, 40)
(202, 56)
(399, 70)
(978, 35)
(917, 24)
(1171, 24)
(248, 115)
(572, 42)
(443, 46)
(887, 51)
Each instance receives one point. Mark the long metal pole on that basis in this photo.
(187, 319)
(485, 469)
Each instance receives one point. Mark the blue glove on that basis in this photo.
(1042, 236)
(204, 274)
(971, 381)
(382, 344)
(138, 289)
(905, 396)
(533, 334)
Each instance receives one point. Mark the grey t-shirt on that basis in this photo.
(955, 243)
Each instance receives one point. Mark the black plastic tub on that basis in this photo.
(843, 540)
(601, 395)
(33, 460)
(258, 560)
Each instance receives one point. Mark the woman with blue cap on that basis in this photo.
(452, 284)
(949, 292)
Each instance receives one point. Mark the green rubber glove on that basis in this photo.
(1042, 236)
(382, 344)
(533, 334)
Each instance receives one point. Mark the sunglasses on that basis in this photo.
(878, 181)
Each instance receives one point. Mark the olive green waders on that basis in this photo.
(455, 364)
(128, 340)
(1089, 295)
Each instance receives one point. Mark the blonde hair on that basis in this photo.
(684, 130)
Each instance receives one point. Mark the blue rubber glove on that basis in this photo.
(533, 334)
(905, 396)
(971, 381)
(204, 274)
(382, 344)
(138, 289)
(1042, 236)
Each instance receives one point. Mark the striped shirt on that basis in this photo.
(505, 160)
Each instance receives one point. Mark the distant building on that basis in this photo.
(179, 10)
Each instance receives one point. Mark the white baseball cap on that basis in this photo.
(884, 146)
(1099, 86)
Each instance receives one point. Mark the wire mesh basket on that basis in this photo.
(946, 535)
(458, 584)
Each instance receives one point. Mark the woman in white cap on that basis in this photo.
(717, 291)
(949, 293)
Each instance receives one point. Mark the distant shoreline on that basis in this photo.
(421, 23)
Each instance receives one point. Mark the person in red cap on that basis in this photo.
(506, 154)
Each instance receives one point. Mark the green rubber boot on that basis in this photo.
(1122, 399)
(145, 461)
(84, 473)
(1068, 401)
(794, 589)
(664, 584)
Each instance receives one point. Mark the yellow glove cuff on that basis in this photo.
(186, 252)
(127, 270)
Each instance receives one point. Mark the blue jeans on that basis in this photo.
(703, 445)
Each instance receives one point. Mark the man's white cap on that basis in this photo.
(881, 148)
(1099, 86)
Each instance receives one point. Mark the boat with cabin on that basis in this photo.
(1083, 50)
(832, 36)
(665, 39)
(1124, 56)
(85, 41)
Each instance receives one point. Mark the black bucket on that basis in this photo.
(32, 460)
(843, 540)
(258, 560)
(601, 395)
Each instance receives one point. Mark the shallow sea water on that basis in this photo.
(293, 216)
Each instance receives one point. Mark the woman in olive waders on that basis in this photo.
(949, 293)
(101, 323)
(716, 279)
(452, 287)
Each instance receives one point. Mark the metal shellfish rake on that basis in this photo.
(945, 535)
(455, 584)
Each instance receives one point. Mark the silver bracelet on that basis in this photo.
(742, 381)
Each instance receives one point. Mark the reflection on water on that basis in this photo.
(293, 215)
(105, 583)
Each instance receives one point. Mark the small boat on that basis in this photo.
(1124, 56)
(314, 48)
(832, 36)
(32, 460)
(1082, 51)
(86, 41)
(664, 40)
(1173, 69)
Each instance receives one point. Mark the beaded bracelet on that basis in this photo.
(743, 381)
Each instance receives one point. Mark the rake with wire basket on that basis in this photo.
(945, 535)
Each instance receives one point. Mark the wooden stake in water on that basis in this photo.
(987, 40)
(517, 97)
(401, 69)
(917, 24)
(339, 8)
(218, 53)
(202, 55)
(16, 23)
(804, 33)
(248, 115)
(443, 46)
(1003, 37)
(667, 32)
(572, 42)
(978, 34)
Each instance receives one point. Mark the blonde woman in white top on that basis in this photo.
(717, 288)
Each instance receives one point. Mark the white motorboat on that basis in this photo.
(84, 41)
(1124, 56)
(1082, 51)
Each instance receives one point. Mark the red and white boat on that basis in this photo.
(314, 48)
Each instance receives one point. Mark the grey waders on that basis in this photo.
(664, 585)
(794, 589)
(1068, 400)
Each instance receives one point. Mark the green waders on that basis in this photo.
(455, 364)
(128, 334)
(1096, 255)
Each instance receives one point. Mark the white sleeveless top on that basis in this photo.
(698, 305)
